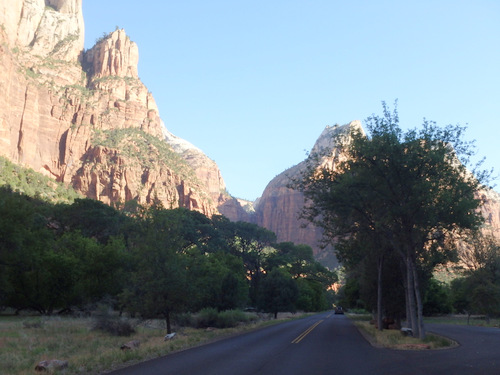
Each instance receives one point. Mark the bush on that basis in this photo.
(104, 322)
(230, 318)
(207, 317)
(210, 317)
(184, 320)
(115, 327)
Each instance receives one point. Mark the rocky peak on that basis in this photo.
(114, 55)
(326, 140)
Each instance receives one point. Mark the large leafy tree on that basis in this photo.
(159, 285)
(279, 292)
(409, 191)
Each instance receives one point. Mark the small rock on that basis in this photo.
(169, 336)
(130, 345)
(52, 364)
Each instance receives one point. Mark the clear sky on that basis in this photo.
(253, 83)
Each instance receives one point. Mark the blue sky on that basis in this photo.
(253, 83)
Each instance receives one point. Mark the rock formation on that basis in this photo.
(279, 207)
(61, 108)
(45, 27)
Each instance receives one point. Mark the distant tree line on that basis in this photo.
(149, 261)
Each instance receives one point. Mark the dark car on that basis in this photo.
(339, 310)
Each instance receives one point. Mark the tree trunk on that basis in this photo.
(167, 320)
(420, 305)
(379, 293)
(407, 296)
(411, 296)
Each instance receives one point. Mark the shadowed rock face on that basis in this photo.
(279, 207)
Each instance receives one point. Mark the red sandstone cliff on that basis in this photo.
(57, 101)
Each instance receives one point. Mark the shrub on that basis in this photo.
(104, 322)
(115, 327)
(210, 317)
(230, 318)
(184, 320)
(206, 318)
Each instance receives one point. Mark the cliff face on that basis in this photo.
(61, 108)
(46, 27)
(279, 207)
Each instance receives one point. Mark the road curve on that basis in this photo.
(327, 344)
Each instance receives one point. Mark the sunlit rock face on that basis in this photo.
(57, 99)
(45, 27)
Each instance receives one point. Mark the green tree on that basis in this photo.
(159, 285)
(411, 190)
(251, 243)
(436, 298)
(279, 292)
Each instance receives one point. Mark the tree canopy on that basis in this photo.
(399, 192)
(149, 261)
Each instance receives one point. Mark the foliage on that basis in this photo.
(105, 322)
(437, 298)
(145, 150)
(478, 291)
(151, 262)
(33, 184)
(405, 193)
(279, 293)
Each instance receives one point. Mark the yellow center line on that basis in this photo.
(305, 333)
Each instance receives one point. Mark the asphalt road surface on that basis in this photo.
(328, 344)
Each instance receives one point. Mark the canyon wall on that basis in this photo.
(61, 106)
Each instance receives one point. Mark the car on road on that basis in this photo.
(339, 310)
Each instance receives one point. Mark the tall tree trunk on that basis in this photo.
(420, 306)
(407, 295)
(167, 320)
(379, 293)
(411, 296)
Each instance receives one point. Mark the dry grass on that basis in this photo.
(394, 339)
(24, 341)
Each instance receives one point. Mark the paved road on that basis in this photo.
(328, 344)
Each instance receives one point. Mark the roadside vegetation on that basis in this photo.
(395, 339)
(26, 340)
(60, 259)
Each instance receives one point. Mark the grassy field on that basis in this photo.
(24, 341)
(475, 320)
